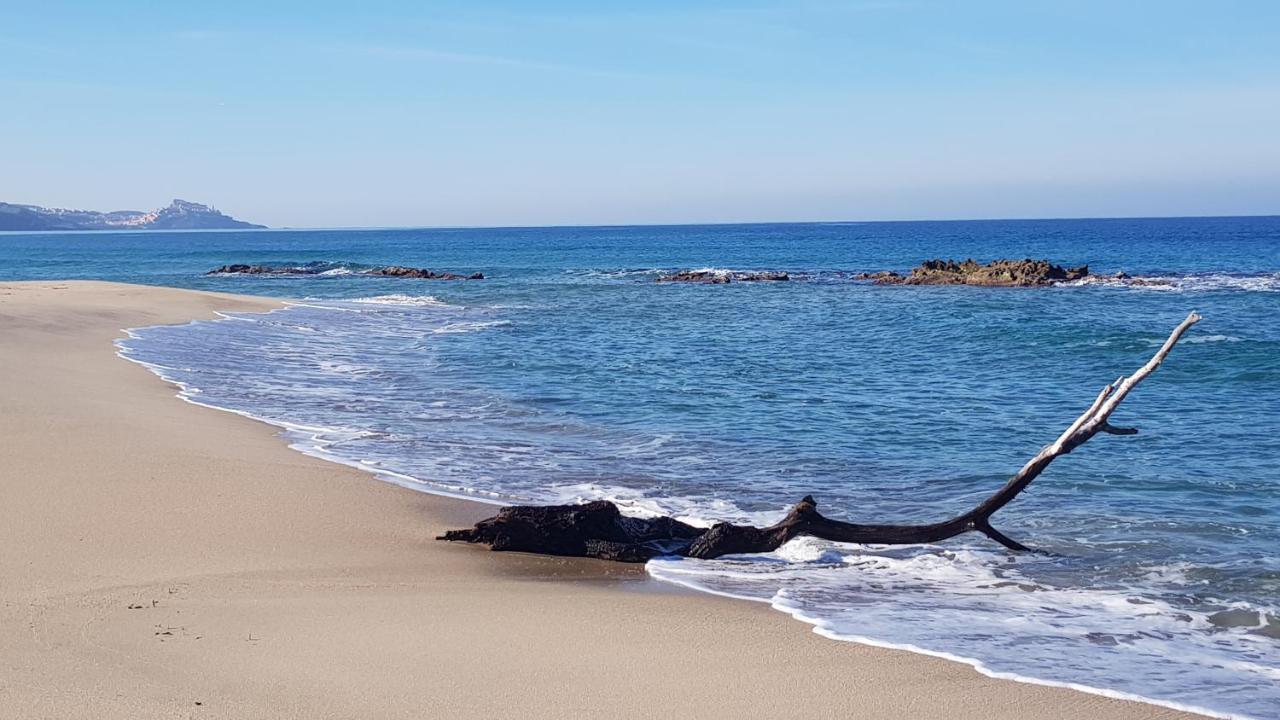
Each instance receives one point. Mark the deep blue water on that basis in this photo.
(569, 373)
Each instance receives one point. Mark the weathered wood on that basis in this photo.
(598, 529)
(594, 529)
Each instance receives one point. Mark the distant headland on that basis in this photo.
(178, 215)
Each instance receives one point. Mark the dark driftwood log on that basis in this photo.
(594, 529)
(598, 529)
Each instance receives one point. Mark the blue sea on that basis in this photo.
(570, 374)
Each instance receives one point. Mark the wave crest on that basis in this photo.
(403, 300)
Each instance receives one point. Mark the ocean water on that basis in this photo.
(569, 374)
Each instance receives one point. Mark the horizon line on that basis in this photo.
(552, 226)
(725, 223)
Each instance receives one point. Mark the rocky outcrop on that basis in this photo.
(240, 269)
(723, 277)
(884, 277)
(421, 273)
(998, 273)
(396, 271)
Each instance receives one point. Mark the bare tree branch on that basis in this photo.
(599, 530)
(1093, 421)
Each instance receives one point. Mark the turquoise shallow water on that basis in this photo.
(570, 374)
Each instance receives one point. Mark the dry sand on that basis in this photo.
(162, 560)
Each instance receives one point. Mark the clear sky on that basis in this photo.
(495, 113)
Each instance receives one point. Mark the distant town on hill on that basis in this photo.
(178, 215)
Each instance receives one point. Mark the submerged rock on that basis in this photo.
(421, 273)
(260, 270)
(884, 277)
(998, 273)
(724, 277)
(398, 271)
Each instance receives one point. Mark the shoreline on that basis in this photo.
(663, 583)
(291, 585)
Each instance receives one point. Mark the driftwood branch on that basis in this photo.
(598, 529)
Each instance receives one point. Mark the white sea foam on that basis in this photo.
(718, 272)
(959, 604)
(403, 300)
(623, 273)
(1201, 282)
(637, 502)
(467, 327)
(1193, 340)
(316, 441)
(320, 305)
(1198, 339)
(341, 368)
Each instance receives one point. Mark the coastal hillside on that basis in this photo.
(178, 215)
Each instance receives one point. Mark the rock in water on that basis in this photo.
(396, 271)
(998, 273)
(723, 277)
(242, 269)
(421, 273)
(884, 277)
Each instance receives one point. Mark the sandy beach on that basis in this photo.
(163, 560)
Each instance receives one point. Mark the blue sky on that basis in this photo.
(498, 113)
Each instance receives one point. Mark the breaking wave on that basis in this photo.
(1198, 282)
(403, 300)
(975, 605)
